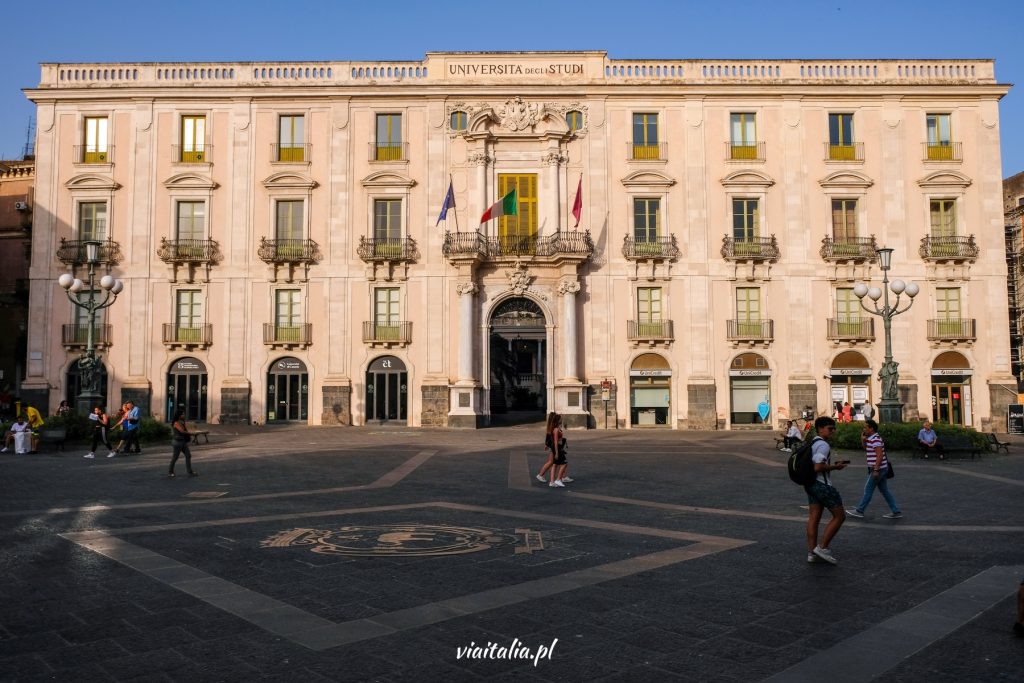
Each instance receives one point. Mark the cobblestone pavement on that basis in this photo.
(320, 554)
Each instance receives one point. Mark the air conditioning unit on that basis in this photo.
(21, 206)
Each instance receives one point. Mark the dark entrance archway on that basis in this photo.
(186, 389)
(287, 391)
(518, 352)
(387, 390)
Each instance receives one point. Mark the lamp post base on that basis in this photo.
(84, 402)
(890, 411)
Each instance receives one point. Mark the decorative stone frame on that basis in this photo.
(179, 116)
(388, 185)
(749, 184)
(953, 185)
(289, 186)
(80, 118)
(87, 188)
(847, 184)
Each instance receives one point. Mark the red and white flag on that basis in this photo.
(577, 205)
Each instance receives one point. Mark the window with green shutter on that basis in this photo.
(291, 138)
(518, 234)
(92, 221)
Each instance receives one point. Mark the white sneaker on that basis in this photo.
(89, 455)
(787, 450)
(853, 512)
(567, 480)
(111, 454)
(557, 483)
(812, 558)
(541, 478)
(825, 554)
(4, 449)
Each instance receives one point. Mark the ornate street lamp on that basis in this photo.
(88, 365)
(889, 408)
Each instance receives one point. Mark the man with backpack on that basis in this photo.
(810, 466)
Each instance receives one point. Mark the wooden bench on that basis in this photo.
(994, 444)
(953, 445)
(196, 433)
(53, 435)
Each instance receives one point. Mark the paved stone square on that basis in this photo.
(382, 554)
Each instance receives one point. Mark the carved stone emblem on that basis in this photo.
(518, 115)
(568, 287)
(518, 279)
(466, 288)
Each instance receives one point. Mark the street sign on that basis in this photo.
(1015, 418)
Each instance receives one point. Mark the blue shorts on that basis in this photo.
(824, 495)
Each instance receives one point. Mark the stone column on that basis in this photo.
(553, 160)
(480, 159)
(568, 289)
(466, 291)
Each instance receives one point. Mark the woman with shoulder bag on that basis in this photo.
(179, 444)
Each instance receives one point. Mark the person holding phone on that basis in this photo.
(821, 495)
(878, 466)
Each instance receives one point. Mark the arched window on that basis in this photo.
(574, 119)
(458, 120)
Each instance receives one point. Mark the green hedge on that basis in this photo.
(900, 436)
(79, 428)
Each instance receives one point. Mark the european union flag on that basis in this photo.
(449, 203)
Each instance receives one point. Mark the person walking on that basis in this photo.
(179, 444)
(548, 446)
(821, 495)
(847, 412)
(129, 422)
(878, 469)
(558, 461)
(929, 441)
(100, 422)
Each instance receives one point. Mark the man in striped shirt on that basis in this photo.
(878, 465)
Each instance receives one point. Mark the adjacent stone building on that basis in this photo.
(686, 238)
(16, 180)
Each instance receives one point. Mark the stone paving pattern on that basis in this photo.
(741, 614)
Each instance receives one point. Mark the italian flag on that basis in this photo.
(506, 206)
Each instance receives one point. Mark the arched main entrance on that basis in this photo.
(73, 383)
(387, 390)
(287, 391)
(186, 389)
(951, 389)
(851, 382)
(518, 357)
(650, 391)
(750, 384)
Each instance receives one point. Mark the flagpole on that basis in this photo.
(455, 206)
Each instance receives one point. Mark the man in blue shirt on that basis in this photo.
(130, 422)
(929, 441)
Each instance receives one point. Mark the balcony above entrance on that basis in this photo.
(564, 246)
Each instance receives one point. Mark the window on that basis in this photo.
(387, 227)
(947, 303)
(840, 137)
(386, 314)
(191, 221)
(743, 135)
(943, 217)
(574, 120)
(940, 138)
(189, 316)
(745, 229)
(291, 138)
(645, 136)
(193, 139)
(92, 221)
(645, 220)
(389, 137)
(518, 234)
(748, 311)
(848, 310)
(288, 315)
(290, 224)
(648, 311)
(844, 222)
(458, 121)
(95, 151)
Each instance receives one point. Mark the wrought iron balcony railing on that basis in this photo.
(75, 335)
(299, 334)
(200, 153)
(188, 335)
(948, 248)
(640, 151)
(955, 329)
(389, 151)
(849, 248)
(387, 249)
(94, 154)
(188, 251)
(288, 251)
(844, 328)
(851, 152)
(464, 245)
(661, 247)
(750, 330)
(943, 151)
(395, 333)
(659, 330)
(571, 243)
(72, 252)
(294, 152)
(744, 151)
(750, 249)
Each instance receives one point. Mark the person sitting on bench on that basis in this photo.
(791, 438)
(929, 441)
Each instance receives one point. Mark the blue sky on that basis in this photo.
(229, 30)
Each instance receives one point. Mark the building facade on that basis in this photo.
(277, 229)
(16, 181)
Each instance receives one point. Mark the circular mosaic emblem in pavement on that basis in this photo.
(390, 540)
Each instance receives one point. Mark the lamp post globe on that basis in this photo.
(65, 281)
(860, 290)
(897, 286)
